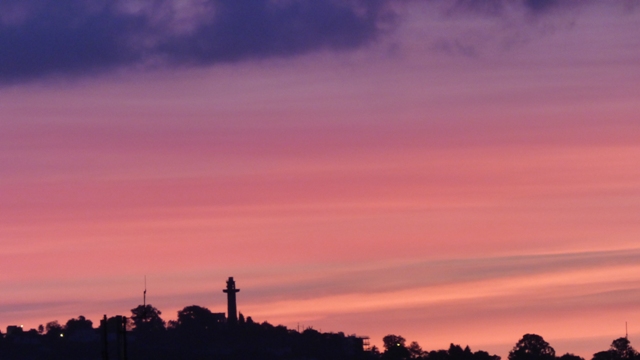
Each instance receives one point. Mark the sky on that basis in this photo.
(449, 171)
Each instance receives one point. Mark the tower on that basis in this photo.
(232, 313)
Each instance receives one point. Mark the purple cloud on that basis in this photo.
(72, 37)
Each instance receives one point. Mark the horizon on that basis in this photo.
(561, 345)
(563, 342)
(449, 171)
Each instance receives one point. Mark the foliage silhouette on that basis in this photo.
(532, 347)
(395, 348)
(53, 328)
(197, 333)
(455, 352)
(620, 349)
(195, 318)
(569, 356)
(415, 350)
(74, 326)
(147, 318)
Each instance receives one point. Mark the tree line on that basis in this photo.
(199, 334)
(529, 347)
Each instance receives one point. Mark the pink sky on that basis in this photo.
(465, 179)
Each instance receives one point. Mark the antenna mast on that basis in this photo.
(626, 331)
(144, 294)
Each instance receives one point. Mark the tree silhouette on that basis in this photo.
(395, 348)
(194, 317)
(569, 356)
(78, 325)
(147, 318)
(603, 355)
(620, 350)
(457, 353)
(532, 347)
(415, 350)
(54, 329)
(392, 341)
(483, 355)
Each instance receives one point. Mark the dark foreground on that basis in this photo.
(199, 334)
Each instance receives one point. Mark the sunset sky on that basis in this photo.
(462, 171)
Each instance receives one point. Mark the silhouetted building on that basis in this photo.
(14, 329)
(366, 345)
(232, 312)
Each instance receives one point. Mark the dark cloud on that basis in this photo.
(503, 24)
(540, 5)
(20, 308)
(493, 7)
(499, 7)
(46, 37)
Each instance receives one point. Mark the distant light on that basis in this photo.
(21, 326)
(61, 335)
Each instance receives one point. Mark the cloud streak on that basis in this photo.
(539, 270)
(500, 6)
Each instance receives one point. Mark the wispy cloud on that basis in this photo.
(497, 7)
(476, 29)
(13, 310)
(529, 271)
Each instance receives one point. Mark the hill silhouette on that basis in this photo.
(199, 334)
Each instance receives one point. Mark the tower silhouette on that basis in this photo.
(232, 312)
